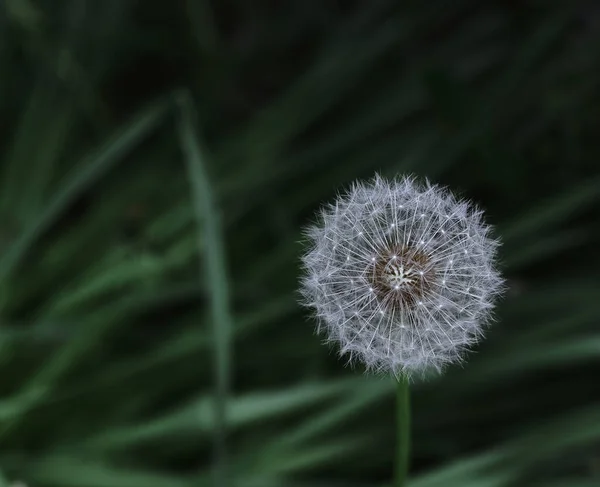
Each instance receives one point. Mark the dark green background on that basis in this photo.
(158, 161)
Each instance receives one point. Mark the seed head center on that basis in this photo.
(396, 274)
(402, 275)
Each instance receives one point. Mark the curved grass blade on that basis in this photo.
(213, 248)
(78, 472)
(85, 175)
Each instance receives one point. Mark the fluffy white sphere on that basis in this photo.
(401, 274)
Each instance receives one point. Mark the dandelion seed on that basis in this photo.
(408, 300)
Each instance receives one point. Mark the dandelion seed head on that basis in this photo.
(401, 274)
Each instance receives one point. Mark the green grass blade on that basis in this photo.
(365, 393)
(40, 387)
(213, 248)
(538, 358)
(544, 248)
(38, 142)
(83, 176)
(198, 418)
(202, 22)
(572, 483)
(63, 471)
(550, 212)
(290, 462)
(457, 471)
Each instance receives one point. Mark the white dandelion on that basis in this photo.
(401, 275)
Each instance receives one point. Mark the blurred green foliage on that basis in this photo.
(157, 163)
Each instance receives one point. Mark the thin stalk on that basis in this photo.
(403, 431)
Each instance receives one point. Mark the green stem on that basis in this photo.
(403, 411)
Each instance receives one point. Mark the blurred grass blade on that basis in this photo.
(38, 142)
(289, 462)
(198, 418)
(204, 29)
(544, 248)
(550, 212)
(213, 248)
(111, 273)
(573, 483)
(337, 69)
(83, 176)
(43, 163)
(457, 472)
(182, 345)
(572, 430)
(364, 394)
(521, 452)
(518, 362)
(78, 472)
(39, 387)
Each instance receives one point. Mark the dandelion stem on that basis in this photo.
(403, 431)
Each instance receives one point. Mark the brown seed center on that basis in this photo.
(401, 276)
